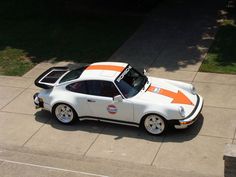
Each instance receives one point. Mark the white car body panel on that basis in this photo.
(156, 98)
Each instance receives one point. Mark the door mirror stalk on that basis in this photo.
(117, 98)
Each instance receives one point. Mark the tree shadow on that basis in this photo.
(176, 36)
(223, 48)
(224, 45)
(84, 39)
(74, 30)
(122, 131)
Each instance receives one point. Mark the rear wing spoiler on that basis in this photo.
(48, 78)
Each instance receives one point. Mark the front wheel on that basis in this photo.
(64, 113)
(154, 124)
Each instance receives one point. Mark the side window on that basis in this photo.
(109, 89)
(79, 87)
(94, 87)
(102, 88)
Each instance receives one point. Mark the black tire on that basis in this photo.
(154, 124)
(64, 113)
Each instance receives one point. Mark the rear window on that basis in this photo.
(53, 76)
(73, 74)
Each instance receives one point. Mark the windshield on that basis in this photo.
(130, 82)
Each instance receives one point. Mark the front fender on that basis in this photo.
(185, 86)
(167, 112)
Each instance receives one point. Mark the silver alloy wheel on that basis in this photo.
(64, 113)
(154, 124)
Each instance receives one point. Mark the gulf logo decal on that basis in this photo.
(112, 109)
(106, 67)
(178, 98)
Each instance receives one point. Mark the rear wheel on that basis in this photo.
(154, 124)
(64, 113)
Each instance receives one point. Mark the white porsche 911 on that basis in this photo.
(117, 92)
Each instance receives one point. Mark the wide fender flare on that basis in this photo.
(75, 107)
(152, 112)
(170, 113)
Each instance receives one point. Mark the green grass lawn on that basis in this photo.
(221, 57)
(26, 40)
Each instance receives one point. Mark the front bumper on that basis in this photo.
(38, 101)
(184, 123)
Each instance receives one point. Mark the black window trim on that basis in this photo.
(103, 81)
(88, 90)
(73, 80)
(120, 75)
(119, 90)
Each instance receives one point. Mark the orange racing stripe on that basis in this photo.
(105, 67)
(151, 88)
(179, 97)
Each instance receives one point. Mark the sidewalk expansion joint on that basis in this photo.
(28, 114)
(84, 155)
(211, 136)
(156, 58)
(234, 136)
(195, 75)
(213, 83)
(15, 97)
(158, 150)
(35, 133)
(218, 107)
(13, 86)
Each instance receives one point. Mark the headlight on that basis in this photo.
(193, 90)
(182, 111)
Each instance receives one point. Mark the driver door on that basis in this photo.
(101, 104)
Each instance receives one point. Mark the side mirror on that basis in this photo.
(117, 98)
(145, 72)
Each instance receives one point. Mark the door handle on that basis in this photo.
(91, 101)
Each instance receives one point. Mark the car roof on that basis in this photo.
(103, 71)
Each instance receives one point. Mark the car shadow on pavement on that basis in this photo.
(123, 131)
(181, 135)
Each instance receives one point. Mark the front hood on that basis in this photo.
(165, 92)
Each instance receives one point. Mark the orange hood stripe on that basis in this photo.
(151, 88)
(178, 98)
(106, 67)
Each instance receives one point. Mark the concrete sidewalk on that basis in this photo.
(197, 151)
(174, 38)
(32, 143)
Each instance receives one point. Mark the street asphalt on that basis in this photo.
(32, 143)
